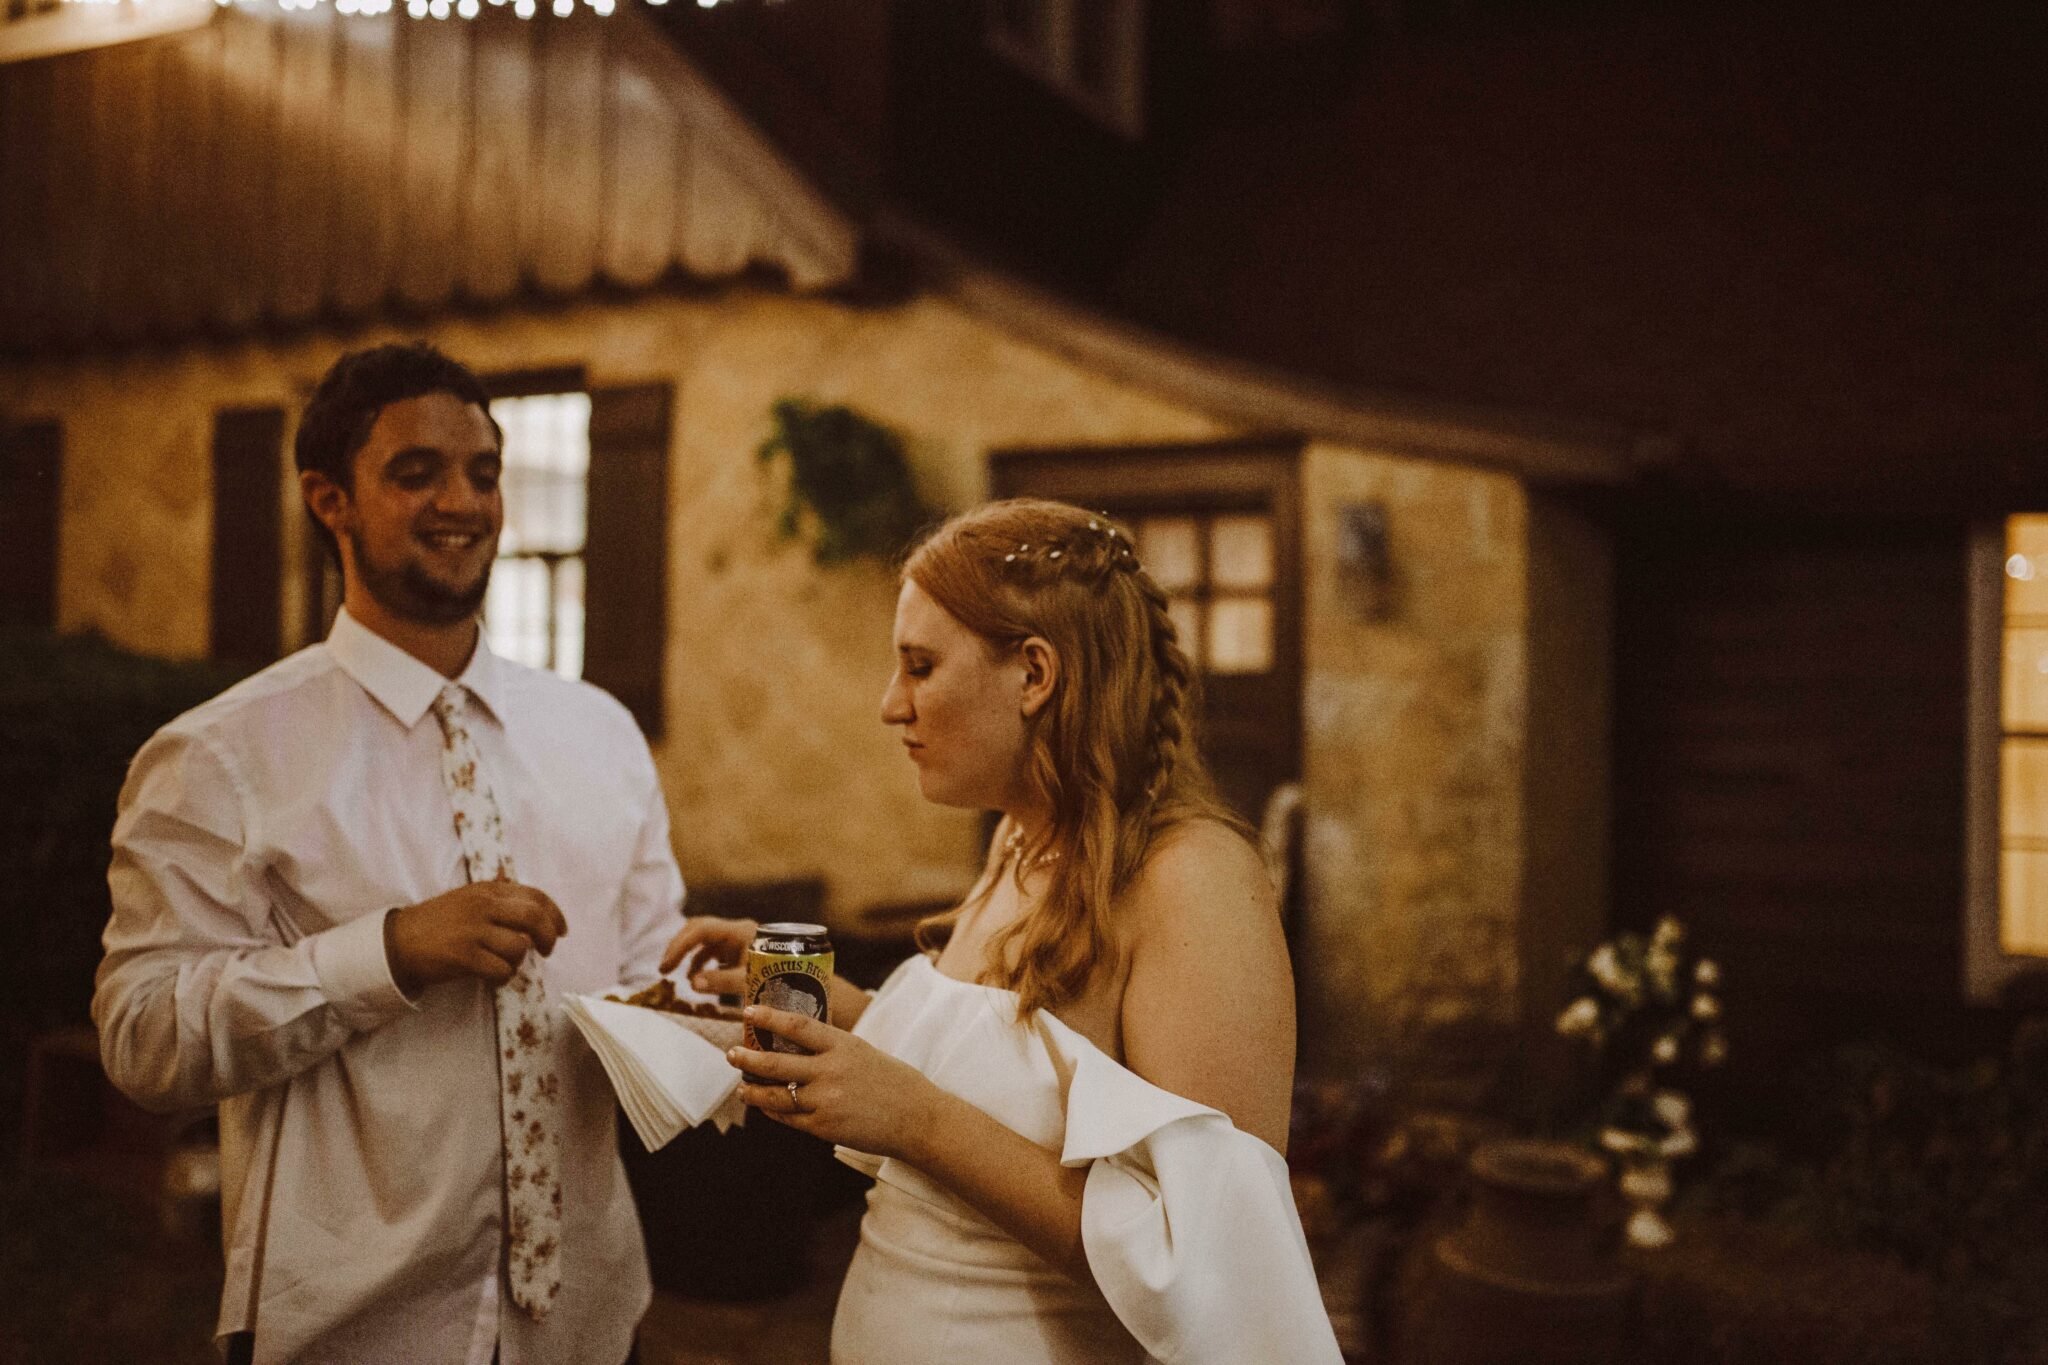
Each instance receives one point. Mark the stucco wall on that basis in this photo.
(775, 761)
(1413, 712)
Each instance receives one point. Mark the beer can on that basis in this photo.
(789, 967)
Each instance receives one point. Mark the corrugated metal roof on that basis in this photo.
(275, 169)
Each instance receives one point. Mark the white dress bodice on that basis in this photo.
(1225, 1278)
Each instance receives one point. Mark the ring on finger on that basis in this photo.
(795, 1105)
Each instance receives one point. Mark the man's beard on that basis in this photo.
(410, 594)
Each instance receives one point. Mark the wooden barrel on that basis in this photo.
(1532, 1275)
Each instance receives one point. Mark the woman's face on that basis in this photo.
(960, 706)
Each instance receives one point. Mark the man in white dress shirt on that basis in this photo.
(295, 937)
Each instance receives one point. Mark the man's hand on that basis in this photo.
(716, 948)
(482, 930)
(719, 946)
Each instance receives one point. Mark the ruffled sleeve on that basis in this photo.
(1189, 1223)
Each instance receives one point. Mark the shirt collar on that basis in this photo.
(402, 684)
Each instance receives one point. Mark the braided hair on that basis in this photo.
(1114, 755)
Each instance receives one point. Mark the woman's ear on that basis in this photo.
(1041, 674)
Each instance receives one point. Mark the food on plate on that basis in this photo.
(662, 996)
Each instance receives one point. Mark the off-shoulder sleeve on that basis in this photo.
(1189, 1225)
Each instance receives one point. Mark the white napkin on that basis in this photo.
(669, 1069)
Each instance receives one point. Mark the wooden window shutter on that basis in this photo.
(31, 483)
(625, 553)
(248, 534)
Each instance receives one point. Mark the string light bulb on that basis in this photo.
(424, 9)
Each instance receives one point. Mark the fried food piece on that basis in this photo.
(662, 996)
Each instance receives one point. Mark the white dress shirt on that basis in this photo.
(261, 839)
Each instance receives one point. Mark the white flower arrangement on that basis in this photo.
(1642, 985)
(1581, 1019)
(1646, 1009)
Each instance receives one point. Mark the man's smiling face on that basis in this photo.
(419, 530)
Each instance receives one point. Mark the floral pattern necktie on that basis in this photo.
(529, 1092)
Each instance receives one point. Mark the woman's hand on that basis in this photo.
(719, 945)
(847, 1090)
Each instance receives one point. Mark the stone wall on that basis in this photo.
(1413, 712)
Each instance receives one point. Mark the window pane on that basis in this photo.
(2026, 566)
(547, 456)
(569, 618)
(2023, 917)
(2023, 789)
(1168, 549)
(1241, 552)
(1240, 635)
(2026, 679)
(516, 611)
(1186, 615)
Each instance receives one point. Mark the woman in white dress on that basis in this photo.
(1075, 1102)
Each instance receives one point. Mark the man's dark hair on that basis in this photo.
(360, 385)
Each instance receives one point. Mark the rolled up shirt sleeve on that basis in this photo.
(203, 993)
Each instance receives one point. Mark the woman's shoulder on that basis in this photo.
(1202, 846)
(1202, 872)
(1208, 999)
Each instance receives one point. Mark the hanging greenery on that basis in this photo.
(850, 472)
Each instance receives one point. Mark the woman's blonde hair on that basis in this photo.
(1113, 753)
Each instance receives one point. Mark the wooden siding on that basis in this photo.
(273, 170)
(1790, 712)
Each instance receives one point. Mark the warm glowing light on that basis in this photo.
(2020, 567)
(465, 9)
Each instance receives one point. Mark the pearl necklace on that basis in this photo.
(1014, 845)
